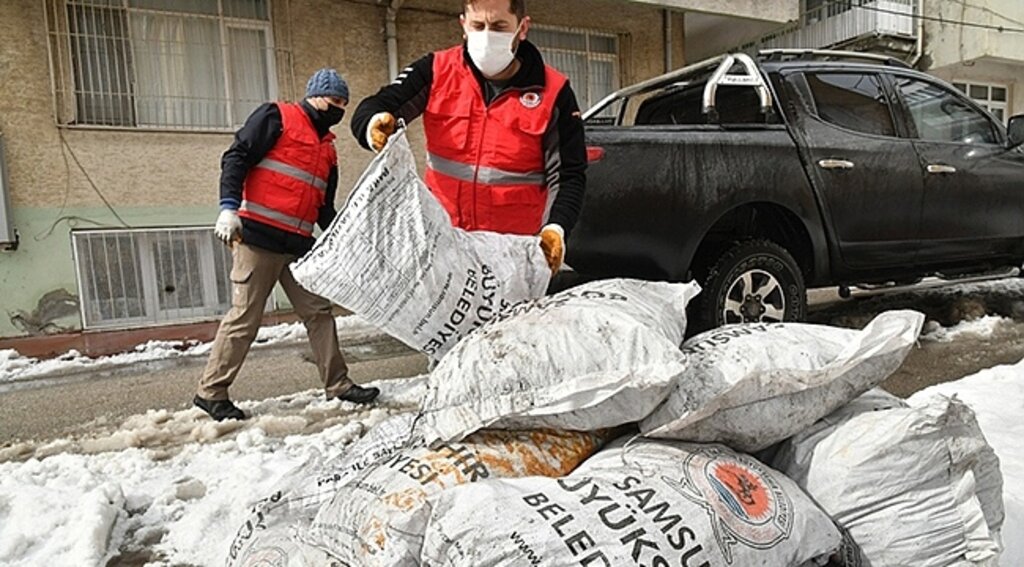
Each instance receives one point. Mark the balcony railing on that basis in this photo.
(840, 22)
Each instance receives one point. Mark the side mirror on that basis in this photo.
(1015, 131)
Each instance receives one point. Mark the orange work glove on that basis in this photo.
(382, 126)
(552, 242)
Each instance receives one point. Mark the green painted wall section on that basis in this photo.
(38, 281)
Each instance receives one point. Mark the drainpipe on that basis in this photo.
(667, 27)
(391, 32)
(919, 44)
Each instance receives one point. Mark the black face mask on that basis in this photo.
(332, 115)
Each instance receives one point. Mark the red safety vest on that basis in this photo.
(485, 164)
(288, 186)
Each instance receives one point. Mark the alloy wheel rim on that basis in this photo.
(755, 296)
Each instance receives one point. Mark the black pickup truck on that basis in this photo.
(760, 176)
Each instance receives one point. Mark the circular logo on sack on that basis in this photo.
(745, 502)
(272, 556)
(530, 100)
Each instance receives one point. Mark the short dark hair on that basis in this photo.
(517, 7)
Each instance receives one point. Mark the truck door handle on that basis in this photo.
(940, 168)
(835, 164)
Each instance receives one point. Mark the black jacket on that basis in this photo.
(564, 148)
(252, 142)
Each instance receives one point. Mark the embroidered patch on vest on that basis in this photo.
(530, 100)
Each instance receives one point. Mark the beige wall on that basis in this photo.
(771, 10)
(129, 168)
(949, 43)
(961, 53)
(708, 35)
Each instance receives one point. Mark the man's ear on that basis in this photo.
(462, 25)
(524, 27)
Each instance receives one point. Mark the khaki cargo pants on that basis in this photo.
(254, 272)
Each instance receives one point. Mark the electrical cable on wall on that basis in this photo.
(66, 149)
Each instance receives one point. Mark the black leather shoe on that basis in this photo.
(359, 395)
(219, 409)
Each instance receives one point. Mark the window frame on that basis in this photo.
(144, 262)
(908, 119)
(64, 70)
(987, 104)
(614, 58)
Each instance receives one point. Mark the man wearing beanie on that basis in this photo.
(278, 179)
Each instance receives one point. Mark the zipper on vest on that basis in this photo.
(479, 156)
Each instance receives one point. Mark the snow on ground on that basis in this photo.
(178, 507)
(173, 487)
(14, 367)
(997, 397)
(982, 327)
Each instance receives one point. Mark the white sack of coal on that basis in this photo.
(598, 355)
(268, 536)
(378, 519)
(274, 531)
(909, 485)
(393, 257)
(655, 503)
(750, 386)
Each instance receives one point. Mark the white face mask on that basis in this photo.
(491, 51)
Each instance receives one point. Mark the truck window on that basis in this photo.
(735, 105)
(941, 116)
(854, 101)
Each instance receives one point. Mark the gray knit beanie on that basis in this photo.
(327, 82)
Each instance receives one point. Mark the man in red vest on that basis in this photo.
(278, 179)
(505, 148)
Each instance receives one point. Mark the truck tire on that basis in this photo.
(753, 281)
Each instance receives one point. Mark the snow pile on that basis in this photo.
(997, 397)
(14, 367)
(982, 327)
(177, 505)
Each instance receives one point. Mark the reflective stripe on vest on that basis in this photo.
(257, 209)
(293, 172)
(483, 174)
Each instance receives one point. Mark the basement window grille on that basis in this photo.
(160, 64)
(136, 278)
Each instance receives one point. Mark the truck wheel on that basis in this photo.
(754, 281)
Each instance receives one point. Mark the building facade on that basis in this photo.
(114, 115)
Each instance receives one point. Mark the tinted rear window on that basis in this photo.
(735, 105)
(855, 101)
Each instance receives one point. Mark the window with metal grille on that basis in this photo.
(991, 97)
(166, 64)
(143, 277)
(590, 59)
